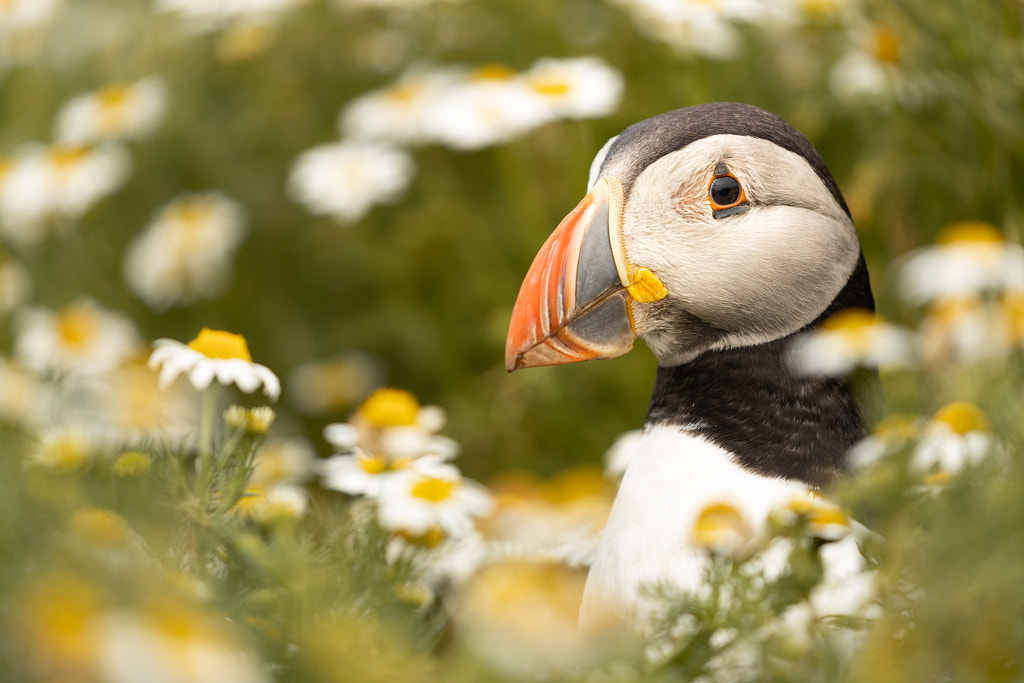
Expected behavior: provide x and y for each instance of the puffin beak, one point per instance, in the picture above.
(575, 301)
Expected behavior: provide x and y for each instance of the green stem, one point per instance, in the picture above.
(204, 466)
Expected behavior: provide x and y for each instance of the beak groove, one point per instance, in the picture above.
(573, 304)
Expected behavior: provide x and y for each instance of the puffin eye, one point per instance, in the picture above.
(726, 196)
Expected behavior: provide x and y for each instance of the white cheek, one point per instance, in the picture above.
(770, 270)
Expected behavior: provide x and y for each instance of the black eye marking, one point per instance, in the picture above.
(726, 195)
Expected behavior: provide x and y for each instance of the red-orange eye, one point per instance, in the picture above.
(726, 196)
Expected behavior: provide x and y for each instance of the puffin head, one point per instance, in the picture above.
(716, 226)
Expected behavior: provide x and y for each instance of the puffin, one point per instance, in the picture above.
(717, 234)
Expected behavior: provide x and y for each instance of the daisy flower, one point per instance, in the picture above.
(131, 404)
(214, 14)
(889, 436)
(584, 87)
(559, 519)
(67, 447)
(15, 285)
(333, 384)
(968, 259)
(81, 339)
(172, 640)
(871, 67)
(17, 16)
(399, 112)
(489, 106)
(46, 183)
(185, 253)
(266, 505)
(957, 436)
(722, 530)
(124, 111)
(391, 424)
(849, 339)
(418, 501)
(689, 26)
(969, 329)
(24, 399)
(344, 180)
(522, 617)
(213, 354)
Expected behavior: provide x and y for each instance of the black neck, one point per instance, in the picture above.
(747, 401)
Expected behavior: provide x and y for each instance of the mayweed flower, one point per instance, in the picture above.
(213, 354)
(968, 259)
(957, 436)
(390, 432)
(579, 88)
(722, 530)
(254, 421)
(185, 252)
(391, 424)
(690, 26)
(117, 112)
(267, 505)
(490, 106)
(398, 113)
(422, 503)
(15, 284)
(51, 615)
(19, 16)
(890, 435)
(871, 67)
(100, 527)
(275, 490)
(850, 339)
(556, 520)
(823, 520)
(133, 405)
(81, 339)
(172, 640)
(333, 384)
(24, 399)
(344, 180)
(56, 183)
(214, 14)
(67, 447)
(522, 617)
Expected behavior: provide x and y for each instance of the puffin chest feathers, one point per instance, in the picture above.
(716, 233)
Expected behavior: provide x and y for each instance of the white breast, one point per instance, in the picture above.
(647, 540)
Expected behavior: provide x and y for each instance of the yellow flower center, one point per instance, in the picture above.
(970, 231)
(5, 166)
(431, 539)
(718, 521)
(433, 489)
(372, 464)
(886, 45)
(828, 515)
(819, 9)
(938, 479)
(132, 464)
(404, 93)
(550, 86)
(220, 344)
(76, 327)
(99, 526)
(493, 72)
(896, 427)
(66, 158)
(850, 320)
(390, 408)
(962, 417)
